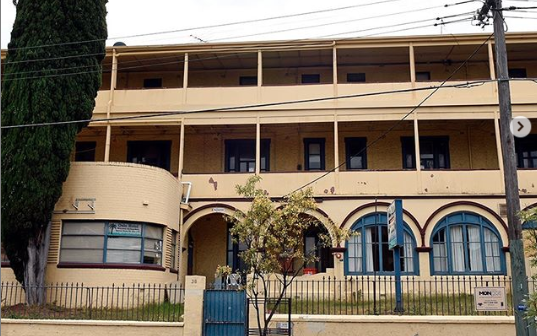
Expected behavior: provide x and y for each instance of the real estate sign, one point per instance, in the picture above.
(490, 299)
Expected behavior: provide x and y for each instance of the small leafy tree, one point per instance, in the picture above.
(273, 236)
(531, 251)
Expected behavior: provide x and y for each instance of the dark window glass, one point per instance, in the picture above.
(248, 80)
(240, 155)
(434, 152)
(314, 153)
(152, 153)
(151, 83)
(234, 249)
(517, 73)
(356, 77)
(313, 245)
(422, 76)
(311, 78)
(526, 151)
(85, 151)
(355, 153)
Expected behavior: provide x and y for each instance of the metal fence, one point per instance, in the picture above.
(375, 295)
(137, 302)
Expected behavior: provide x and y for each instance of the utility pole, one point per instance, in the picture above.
(516, 244)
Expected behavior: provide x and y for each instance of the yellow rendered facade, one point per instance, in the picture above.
(202, 98)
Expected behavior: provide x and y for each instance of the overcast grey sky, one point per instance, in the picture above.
(365, 18)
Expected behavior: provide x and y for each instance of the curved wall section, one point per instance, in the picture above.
(120, 191)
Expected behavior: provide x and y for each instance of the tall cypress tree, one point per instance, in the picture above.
(52, 73)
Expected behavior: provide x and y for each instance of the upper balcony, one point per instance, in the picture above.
(457, 157)
(217, 77)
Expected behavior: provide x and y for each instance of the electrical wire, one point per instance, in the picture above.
(209, 26)
(254, 106)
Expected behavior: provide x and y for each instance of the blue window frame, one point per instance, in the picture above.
(466, 243)
(368, 252)
(111, 242)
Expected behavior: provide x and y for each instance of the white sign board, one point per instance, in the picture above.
(490, 299)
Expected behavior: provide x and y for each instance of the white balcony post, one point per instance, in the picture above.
(113, 82)
(412, 64)
(259, 68)
(491, 61)
(181, 150)
(499, 148)
(336, 144)
(185, 78)
(257, 146)
(417, 151)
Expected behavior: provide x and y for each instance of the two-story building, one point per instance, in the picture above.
(149, 188)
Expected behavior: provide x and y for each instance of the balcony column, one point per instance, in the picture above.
(499, 148)
(257, 146)
(185, 78)
(181, 150)
(336, 128)
(491, 60)
(417, 151)
(259, 74)
(113, 81)
(412, 64)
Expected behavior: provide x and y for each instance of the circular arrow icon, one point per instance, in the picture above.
(520, 127)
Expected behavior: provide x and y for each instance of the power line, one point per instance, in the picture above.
(201, 59)
(467, 84)
(210, 26)
(221, 56)
(383, 135)
(255, 34)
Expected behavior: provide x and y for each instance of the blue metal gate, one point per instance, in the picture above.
(224, 313)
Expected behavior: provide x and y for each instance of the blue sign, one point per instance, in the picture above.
(395, 224)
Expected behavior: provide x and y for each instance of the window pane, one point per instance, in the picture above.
(152, 245)
(314, 148)
(315, 162)
(82, 256)
(124, 243)
(83, 228)
(80, 242)
(152, 258)
(119, 256)
(152, 231)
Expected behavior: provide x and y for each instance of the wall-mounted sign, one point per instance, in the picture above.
(218, 210)
(125, 229)
(395, 224)
(490, 299)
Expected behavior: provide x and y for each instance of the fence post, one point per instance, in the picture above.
(193, 317)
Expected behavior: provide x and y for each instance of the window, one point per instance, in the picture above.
(356, 77)
(434, 152)
(517, 73)
(465, 242)
(152, 153)
(248, 80)
(234, 249)
(85, 151)
(368, 252)
(355, 153)
(423, 76)
(152, 83)
(526, 151)
(314, 153)
(240, 155)
(174, 250)
(311, 78)
(111, 242)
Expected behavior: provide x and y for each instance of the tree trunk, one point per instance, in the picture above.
(34, 269)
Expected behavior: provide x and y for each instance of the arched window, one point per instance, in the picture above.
(368, 252)
(466, 243)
